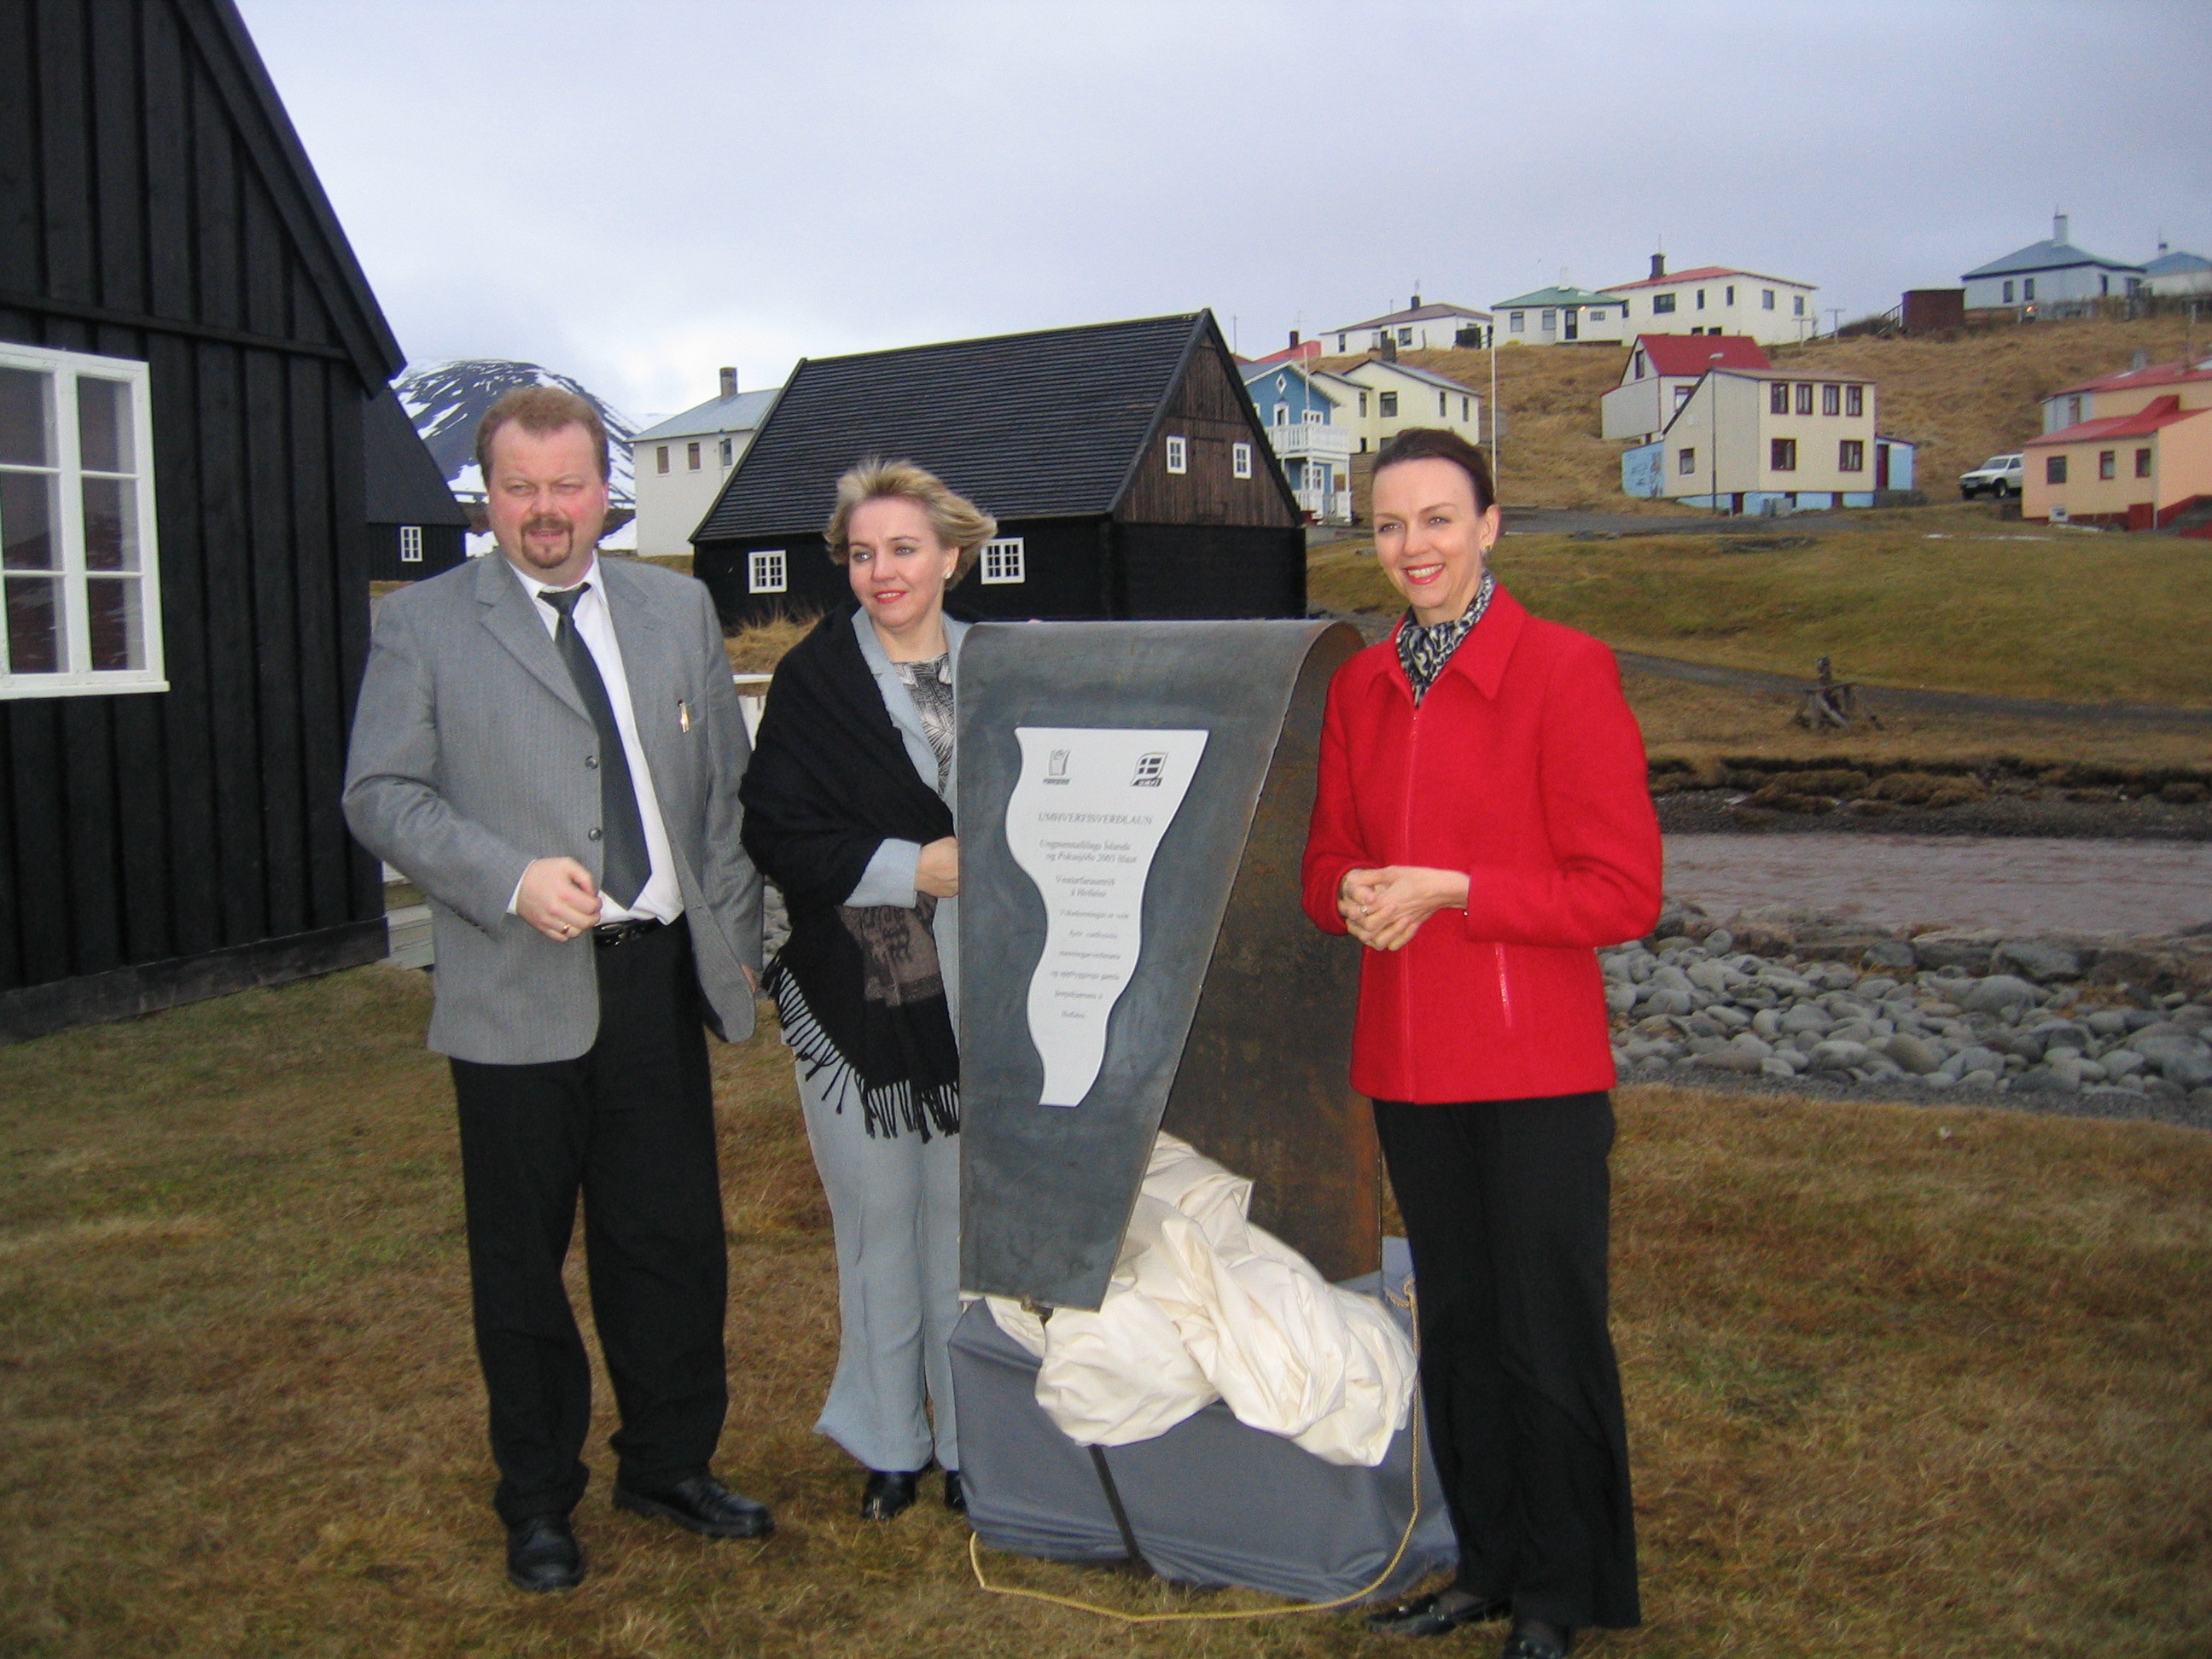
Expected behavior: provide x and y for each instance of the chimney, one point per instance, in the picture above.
(729, 383)
(1294, 339)
(2058, 229)
(1389, 347)
(1416, 306)
(1658, 266)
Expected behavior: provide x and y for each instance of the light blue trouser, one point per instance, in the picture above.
(895, 1206)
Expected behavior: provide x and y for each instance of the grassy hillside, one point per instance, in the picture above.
(1961, 399)
(2007, 610)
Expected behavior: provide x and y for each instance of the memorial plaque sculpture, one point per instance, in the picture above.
(1134, 800)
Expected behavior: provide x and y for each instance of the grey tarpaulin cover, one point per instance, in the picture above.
(1210, 1501)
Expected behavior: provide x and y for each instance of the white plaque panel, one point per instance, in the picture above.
(1084, 822)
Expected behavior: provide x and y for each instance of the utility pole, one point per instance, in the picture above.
(1713, 392)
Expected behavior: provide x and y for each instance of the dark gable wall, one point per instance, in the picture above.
(145, 827)
(1211, 410)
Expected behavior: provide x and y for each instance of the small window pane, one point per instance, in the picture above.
(1855, 400)
(1804, 398)
(103, 426)
(2107, 461)
(34, 625)
(25, 432)
(112, 614)
(1851, 455)
(1687, 463)
(1240, 460)
(1831, 399)
(2054, 469)
(1778, 398)
(1389, 404)
(410, 543)
(110, 525)
(1003, 560)
(2142, 463)
(27, 522)
(765, 571)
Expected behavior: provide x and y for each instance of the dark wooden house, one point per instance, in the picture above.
(1128, 472)
(415, 527)
(187, 352)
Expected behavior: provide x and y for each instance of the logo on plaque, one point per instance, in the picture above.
(1090, 852)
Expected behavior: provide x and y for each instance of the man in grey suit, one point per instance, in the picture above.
(550, 746)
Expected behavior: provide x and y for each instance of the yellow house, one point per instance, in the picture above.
(1768, 440)
(2142, 456)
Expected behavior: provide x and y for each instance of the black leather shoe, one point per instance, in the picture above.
(889, 1492)
(1436, 1614)
(542, 1554)
(955, 1496)
(1537, 1641)
(701, 1504)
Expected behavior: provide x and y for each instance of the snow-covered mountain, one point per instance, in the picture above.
(447, 400)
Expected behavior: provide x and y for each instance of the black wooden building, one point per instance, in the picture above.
(187, 347)
(415, 527)
(1127, 470)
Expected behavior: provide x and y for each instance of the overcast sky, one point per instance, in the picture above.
(634, 194)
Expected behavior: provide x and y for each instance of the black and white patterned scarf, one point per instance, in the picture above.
(930, 684)
(1423, 652)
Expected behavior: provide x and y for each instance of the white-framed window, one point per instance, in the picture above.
(1004, 561)
(1766, 299)
(727, 450)
(1516, 322)
(660, 458)
(766, 571)
(1282, 414)
(691, 456)
(1178, 455)
(1240, 460)
(1797, 300)
(1405, 337)
(1388, 401)
(1728, 294)
(1551, 322)
(82, 574)
(410, 543)
(1443, 406)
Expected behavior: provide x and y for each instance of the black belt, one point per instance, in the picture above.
(608, 934)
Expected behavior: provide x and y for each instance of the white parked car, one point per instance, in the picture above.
(1999, 475)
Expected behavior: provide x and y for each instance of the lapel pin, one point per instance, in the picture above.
(683, 715)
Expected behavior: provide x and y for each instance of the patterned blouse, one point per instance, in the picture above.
(1423, 652)
(931, 684)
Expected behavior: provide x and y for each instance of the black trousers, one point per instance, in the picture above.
(1506, 1208)
(629, 1126)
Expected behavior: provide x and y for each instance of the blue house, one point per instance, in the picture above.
(1314, 448)
(2048, 273)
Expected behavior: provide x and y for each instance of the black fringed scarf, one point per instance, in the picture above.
(859, 989)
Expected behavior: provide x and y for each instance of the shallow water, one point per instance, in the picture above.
(2020, 884)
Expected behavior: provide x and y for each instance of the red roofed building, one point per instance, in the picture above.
(1719, 299)
(1662, 371)
(2141, 468)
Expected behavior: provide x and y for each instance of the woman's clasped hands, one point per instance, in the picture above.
(1384, 908)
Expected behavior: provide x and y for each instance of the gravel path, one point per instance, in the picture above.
(2018, 884)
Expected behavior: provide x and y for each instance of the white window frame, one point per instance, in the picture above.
(1004, 562)
(1240, 460)
(63, 369)
(1178, 455)
(767, 571)
(410, 543)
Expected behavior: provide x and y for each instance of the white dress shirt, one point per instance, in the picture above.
(661, 897)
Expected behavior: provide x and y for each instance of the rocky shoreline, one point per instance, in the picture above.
(1783, 999)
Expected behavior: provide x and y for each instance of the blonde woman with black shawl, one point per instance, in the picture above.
(847, 810)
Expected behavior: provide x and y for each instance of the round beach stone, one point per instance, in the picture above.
(2037, 959)
(1998, 992)
(1916, 1055)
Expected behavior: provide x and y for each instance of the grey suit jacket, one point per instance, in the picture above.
(473, 755)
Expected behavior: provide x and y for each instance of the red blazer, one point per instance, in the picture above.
(1524, 768)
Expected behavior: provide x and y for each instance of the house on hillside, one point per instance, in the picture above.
(1563, 316)
(1298, 352)
(1128, 471)
(1300, 417)
(415, 527)
(2131, 449)
(680, 465)
(2049, 273)
(189, 358)
(1380, 397)
(1717, 299)
(2174, 272)
(1660, 373)
(1416, 328)
(1766, 440)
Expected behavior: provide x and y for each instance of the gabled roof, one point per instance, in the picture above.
(2172, 264)
(1030, 426)
(1255, 373)
(1703, 274)
(2046, 255)
(739, 414)
(1691, 356)
(1428, 314)
(2132, 380)
(1556, 297)
(2159, 412)
(401, 483)
(1444, 382)
(266, 135)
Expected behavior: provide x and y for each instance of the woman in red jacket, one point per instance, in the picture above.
(1482, 825)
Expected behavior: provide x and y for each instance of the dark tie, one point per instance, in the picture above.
(626, 864)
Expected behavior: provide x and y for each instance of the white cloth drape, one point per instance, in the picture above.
(1204, 1306)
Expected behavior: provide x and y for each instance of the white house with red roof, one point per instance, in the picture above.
(1660, 373)
(1719, 299)
(2132, 449)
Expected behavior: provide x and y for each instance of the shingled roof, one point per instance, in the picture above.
(1029, 426)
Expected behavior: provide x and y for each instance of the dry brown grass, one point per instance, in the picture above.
(1900, 1380)
(756, 647)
